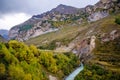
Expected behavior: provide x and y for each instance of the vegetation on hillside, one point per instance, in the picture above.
(96, 72)
(105, 65)
(117, 20)
(25, 27)
(21, 62)
(64, 35)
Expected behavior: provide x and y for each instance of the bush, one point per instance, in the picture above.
(117, 20)
(21, 62)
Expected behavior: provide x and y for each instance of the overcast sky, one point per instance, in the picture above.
(13, 12)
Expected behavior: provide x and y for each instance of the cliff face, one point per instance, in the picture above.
(61, 15)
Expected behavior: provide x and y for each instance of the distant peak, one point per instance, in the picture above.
(65, 9)
(62, 6)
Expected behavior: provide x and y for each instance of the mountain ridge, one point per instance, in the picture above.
(4, 33)
(2, 39)
(62, 15)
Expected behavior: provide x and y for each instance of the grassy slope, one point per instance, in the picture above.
(103, 66)
(71, 31)
(105, 59)
(67, 32)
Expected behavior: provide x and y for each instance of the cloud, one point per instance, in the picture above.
(38, 6)
(10, 20)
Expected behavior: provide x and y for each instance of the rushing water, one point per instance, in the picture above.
(75, 73)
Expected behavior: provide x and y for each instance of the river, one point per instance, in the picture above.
(75, 73)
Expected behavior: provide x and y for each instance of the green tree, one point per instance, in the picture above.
(2, 70)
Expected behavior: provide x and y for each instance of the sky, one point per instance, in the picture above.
(14, 12)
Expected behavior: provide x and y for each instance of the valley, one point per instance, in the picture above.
(65, 43)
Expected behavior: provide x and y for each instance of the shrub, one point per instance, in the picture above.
(117, 20)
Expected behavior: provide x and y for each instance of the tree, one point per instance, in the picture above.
(2, 70)
(34, 50)
(15, 72)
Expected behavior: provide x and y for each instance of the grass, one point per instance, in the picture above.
(67, 32)
(74, 32)
(109, 61)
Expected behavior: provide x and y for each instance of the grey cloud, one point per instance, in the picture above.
(37, 6)
(27, 6)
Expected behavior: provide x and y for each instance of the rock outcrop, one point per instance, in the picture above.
(85, 46)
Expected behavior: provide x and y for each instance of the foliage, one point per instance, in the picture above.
(108, 47)
(117, 20)
(25, 27)
(21, 62)
(95, 72)
(105, 65)
(50, 46)
(60, 23)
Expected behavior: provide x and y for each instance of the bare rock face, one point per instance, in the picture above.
(92, 43)
(111, 36)
(105, 1)
(85, 47)
(27, 30)
(102, 9)
(97, 16)
(65, 9)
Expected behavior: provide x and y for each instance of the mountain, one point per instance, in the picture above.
(2, 39)
(63, 9)
(97, 45)
(89, 35)
(43, 23)
(54, 19)
(4, 33)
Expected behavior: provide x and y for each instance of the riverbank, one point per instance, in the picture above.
(75, 72)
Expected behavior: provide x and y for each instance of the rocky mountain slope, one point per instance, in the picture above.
(2, 39)
(53, 20)
(102, 63)
(43, 23)
(4, 33)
